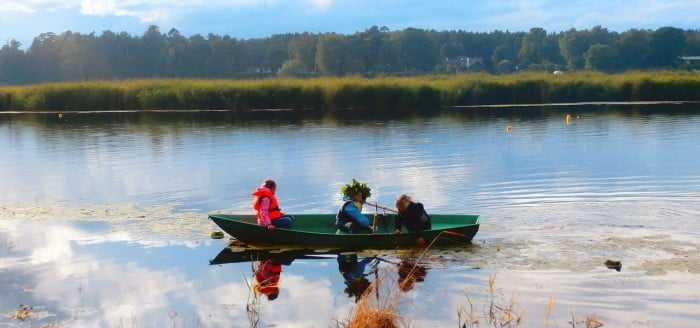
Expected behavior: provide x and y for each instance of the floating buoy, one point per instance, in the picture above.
(616, 265)
(60, 116)
(568, 119)
(217, 235)
(23, 312)
(509, 128)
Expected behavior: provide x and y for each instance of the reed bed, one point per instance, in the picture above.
(378, 306)
(341, 93)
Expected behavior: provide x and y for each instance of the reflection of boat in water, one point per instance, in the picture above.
(267, 272)
(356, 270)
(320, 230)
(248, 255)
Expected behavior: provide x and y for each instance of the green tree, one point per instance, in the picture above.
(43, 56)
(451, 50)
(80, 59)
(667, 44)
(303, 49)
(417, 50)
(574, 44)
(152, 46)
(532, 47)
(502, 53)
(633, 49)
(330, 54)
(600, 57)
(12, 63)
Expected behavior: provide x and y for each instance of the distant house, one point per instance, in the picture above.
(693, 62)
(464, 63)
(260, 70)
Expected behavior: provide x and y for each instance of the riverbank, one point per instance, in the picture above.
(384, 94)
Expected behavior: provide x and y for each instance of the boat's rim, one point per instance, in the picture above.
(219, 216)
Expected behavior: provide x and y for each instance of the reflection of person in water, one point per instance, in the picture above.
(409, 273)
(267, 278)
(354, 274)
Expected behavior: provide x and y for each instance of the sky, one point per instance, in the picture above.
(25, 19)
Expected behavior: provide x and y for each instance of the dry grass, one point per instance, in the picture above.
(588, 321)
(378, 306)
(548, 311)
(498, 312)
(253, 302)
(366, 315)
(495, 311)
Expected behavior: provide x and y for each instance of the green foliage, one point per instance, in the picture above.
(355, 187)
(667, 43)
(373, 52)
(331, 54)
(574, 44)
(502, 53)
(600, 57)
(531, 50)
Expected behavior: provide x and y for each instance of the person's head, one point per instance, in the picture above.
(273, 295)
(270, 184)
(359, 197)
(402, 202)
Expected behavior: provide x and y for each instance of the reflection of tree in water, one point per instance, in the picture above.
(353, 272)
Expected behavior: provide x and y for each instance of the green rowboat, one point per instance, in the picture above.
(318, 230)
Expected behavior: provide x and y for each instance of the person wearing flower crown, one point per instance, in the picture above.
(350, 218)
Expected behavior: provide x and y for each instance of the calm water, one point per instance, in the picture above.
(103, 216)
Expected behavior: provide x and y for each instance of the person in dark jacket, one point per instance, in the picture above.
(413, 216)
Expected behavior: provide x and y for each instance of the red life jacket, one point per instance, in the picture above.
(268, 277)
(273, 210)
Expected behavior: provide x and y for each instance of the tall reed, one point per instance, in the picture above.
(341, 93)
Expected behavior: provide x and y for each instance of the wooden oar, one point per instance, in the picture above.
(382, 207)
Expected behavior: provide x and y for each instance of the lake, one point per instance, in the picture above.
(103, 216)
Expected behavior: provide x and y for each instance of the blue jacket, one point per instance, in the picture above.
(350, 213)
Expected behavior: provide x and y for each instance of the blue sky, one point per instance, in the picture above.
(24, 19)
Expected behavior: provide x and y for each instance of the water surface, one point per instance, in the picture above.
(103, 216)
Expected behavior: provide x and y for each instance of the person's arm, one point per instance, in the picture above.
(265, 212)
(397, 223)
(356, 215)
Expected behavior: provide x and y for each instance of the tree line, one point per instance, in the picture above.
(376, 51)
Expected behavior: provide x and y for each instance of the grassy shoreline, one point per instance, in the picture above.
(383, 94)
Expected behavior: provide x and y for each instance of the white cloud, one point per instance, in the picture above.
(17, 7)
(132, 8)
(147, 11)
(321, 5)
(557, 16)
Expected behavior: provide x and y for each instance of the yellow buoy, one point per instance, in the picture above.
(509, 128)
(568, 119)
(60, 116)
(217, 235)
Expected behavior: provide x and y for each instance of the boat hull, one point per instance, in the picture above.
(318, 231)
